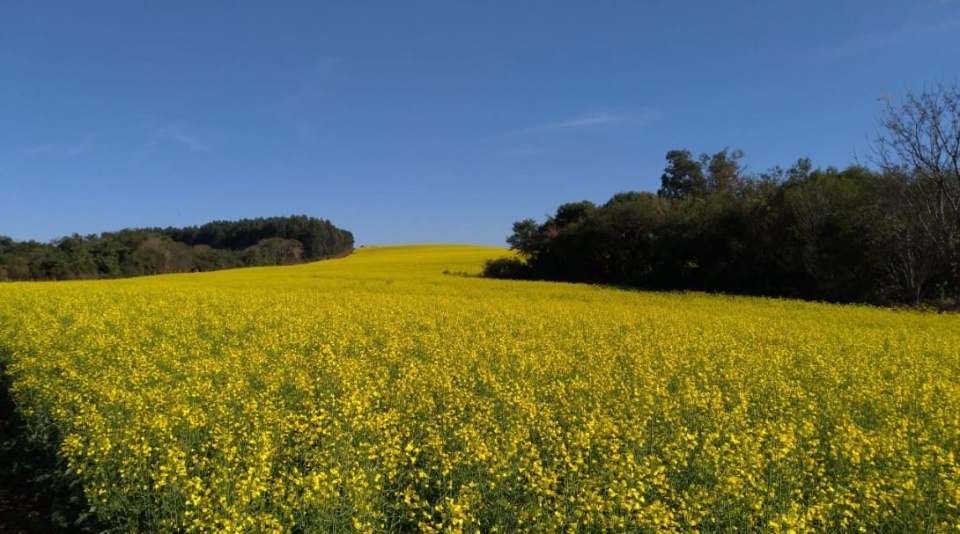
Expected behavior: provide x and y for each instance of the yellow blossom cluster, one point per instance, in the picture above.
(381, 393)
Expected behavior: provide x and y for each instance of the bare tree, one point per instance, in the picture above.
(910, 258)
(919, 145)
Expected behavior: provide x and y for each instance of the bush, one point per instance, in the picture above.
(507, 268)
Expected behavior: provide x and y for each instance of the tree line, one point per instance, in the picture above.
(147, 251)
(884, 234)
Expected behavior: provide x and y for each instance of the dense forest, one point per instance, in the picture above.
(884, 234)
(146, 251)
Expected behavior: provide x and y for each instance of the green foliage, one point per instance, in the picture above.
(819, 234)
(36, 494)
(685, 177)
(147, 251)
(682, 177)
(511, 268)
(573, 212)
(523, 233)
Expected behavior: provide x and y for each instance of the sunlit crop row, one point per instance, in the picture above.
(378, 393)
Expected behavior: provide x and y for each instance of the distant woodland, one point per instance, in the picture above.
(147, 251)
(888, 234)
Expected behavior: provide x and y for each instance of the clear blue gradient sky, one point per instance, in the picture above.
(426, 121)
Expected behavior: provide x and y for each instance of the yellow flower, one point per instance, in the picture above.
(375, 393)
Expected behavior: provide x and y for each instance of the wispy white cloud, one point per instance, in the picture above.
(187, 138)
(315, 79)
(304, 101)
(80, 146)
(325, 66)
(879, 40)
(37, 150)
(642, 117)
(595, 119)
(524, 152)
(157, 135)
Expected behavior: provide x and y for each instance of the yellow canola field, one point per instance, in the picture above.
(376, 393)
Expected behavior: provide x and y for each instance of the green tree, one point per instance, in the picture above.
(572, 212)
(522, 238)
(683, 176)
(723, 171)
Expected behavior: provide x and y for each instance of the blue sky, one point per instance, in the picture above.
(412, 122)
